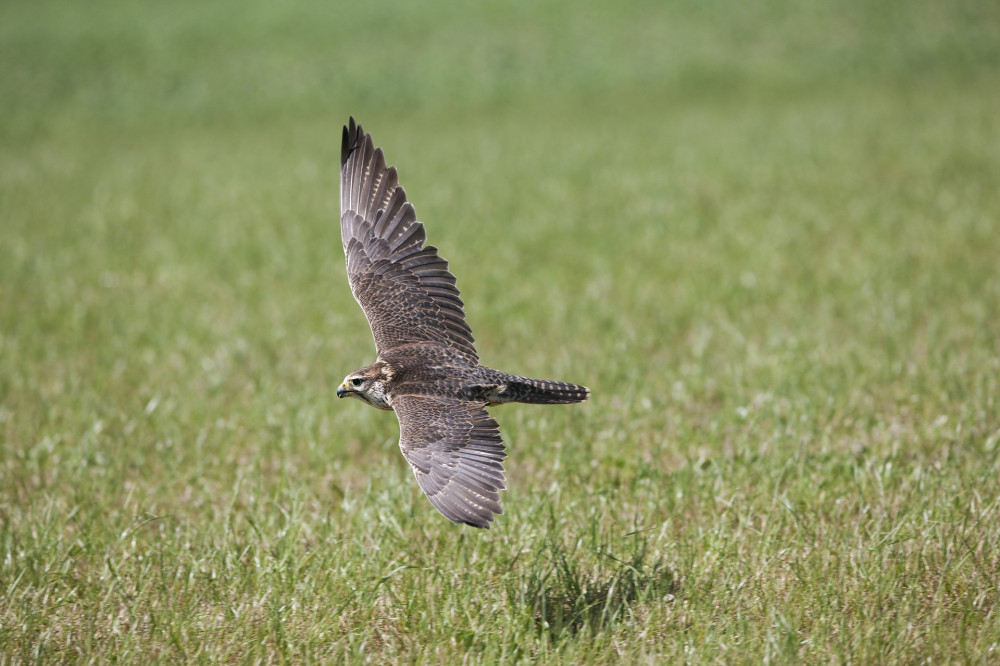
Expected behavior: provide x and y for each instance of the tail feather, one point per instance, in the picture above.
(539, 392)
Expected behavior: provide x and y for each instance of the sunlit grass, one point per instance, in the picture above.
(765, 238)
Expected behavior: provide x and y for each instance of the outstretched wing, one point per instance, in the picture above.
(404, 287)
(456, 453)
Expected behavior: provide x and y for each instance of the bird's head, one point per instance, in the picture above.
(369, 384)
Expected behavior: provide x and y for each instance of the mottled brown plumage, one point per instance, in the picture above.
(427, 369)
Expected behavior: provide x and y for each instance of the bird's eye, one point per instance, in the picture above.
(356, 381)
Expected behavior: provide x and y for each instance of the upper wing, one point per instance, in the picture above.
(405, 288)
(456, 453)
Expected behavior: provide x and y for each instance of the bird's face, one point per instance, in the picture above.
(368, 385)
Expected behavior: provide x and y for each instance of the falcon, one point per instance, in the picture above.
(426, 368)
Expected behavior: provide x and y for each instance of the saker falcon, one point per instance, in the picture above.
(427, 369)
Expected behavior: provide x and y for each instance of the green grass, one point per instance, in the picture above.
(765, 235)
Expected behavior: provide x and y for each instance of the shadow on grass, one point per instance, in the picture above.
(568, 591)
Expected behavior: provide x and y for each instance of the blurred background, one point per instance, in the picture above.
(654, 188)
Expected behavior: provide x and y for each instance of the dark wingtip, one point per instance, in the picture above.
(483, 525)
(343, 146)
(349, 139)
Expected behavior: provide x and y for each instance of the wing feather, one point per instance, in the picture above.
(404, 286)
(456, 453)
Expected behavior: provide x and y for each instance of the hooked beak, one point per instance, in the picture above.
(341, 391)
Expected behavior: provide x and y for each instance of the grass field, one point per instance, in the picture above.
(766, 235)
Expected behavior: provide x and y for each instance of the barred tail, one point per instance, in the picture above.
(541, 392)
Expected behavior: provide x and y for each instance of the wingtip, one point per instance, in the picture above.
(349, 139)
(482, 522)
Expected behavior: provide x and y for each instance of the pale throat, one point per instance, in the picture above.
(378, 396)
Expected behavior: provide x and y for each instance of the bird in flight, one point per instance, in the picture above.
(427, 369)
